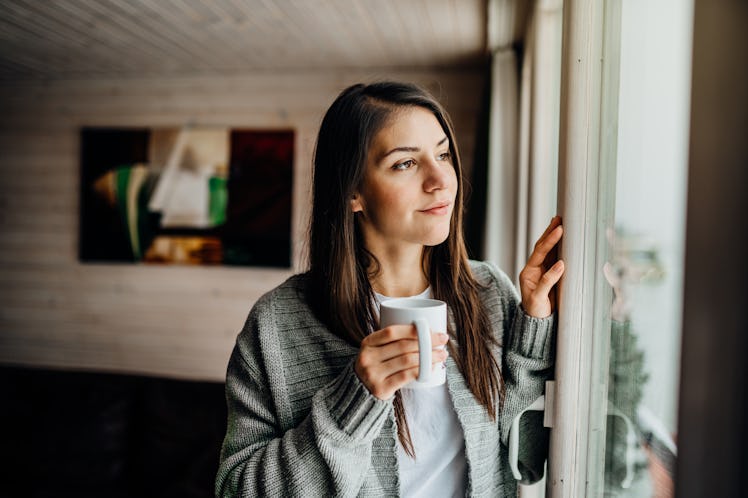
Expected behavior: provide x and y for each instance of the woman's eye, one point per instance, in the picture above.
(404, 165)
(444, 156)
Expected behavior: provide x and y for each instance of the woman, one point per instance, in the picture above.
(313, 387)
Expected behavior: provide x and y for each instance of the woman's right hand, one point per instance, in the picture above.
(388, 358)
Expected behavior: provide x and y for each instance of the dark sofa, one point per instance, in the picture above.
(87, 434)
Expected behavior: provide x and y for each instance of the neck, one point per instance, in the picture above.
(400, 273)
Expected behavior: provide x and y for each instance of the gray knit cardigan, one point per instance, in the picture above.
(300, 422)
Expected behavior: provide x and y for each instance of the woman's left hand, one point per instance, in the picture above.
(542, 272)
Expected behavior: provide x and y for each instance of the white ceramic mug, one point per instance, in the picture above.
(427, 315)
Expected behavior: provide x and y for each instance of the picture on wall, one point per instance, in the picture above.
(188, 195)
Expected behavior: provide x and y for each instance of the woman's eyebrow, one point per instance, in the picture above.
(409, 149)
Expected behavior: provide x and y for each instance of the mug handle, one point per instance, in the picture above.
(424, 349)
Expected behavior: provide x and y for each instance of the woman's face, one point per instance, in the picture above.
(409, 186)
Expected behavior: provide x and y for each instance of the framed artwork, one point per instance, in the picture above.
(186, 195)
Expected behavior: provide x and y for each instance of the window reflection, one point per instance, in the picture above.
(645, 245)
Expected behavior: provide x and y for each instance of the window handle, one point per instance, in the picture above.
(537, 405)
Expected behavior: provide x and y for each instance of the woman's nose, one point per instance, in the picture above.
(437, 176)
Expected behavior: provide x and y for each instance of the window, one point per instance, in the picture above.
(622, 176)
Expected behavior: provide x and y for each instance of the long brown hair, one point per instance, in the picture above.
(340, 266)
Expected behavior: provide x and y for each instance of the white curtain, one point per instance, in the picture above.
(523, 131)
(544, 116)
(523, 138)
(501, 190)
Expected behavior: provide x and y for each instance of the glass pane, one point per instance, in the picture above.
(647, 162)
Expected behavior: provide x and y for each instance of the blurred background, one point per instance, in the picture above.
(155, 181)
(113, 360)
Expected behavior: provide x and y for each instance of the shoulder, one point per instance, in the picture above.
(283, 338)
(498, 295)
(282, 308)
(489, 276)
(284, 319)
(288, 297)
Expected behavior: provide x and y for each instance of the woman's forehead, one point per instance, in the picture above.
(410, 127)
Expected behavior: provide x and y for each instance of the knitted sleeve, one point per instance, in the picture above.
(527, 362)
(327, 454)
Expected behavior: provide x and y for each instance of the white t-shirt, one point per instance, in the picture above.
(440, 467)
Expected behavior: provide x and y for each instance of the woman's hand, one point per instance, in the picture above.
(541, 273)
(388, 358)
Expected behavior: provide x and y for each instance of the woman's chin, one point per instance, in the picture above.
(435, 239)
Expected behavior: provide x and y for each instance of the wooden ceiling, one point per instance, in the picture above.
(110, 38)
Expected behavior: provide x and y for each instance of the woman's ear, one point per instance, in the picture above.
(356, 205)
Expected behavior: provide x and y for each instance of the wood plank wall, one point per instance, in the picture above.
(174, 321)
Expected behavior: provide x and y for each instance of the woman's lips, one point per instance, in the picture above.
(440, 208)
